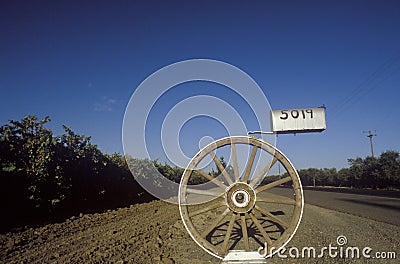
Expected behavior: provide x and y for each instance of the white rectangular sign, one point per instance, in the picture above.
(298, 120)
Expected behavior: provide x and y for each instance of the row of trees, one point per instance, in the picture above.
(43, 175)
(375, 173)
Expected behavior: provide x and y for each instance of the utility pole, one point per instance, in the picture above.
(371, 134)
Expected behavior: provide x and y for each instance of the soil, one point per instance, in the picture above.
(153, 233)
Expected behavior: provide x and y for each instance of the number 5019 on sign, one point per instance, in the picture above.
(302, 120)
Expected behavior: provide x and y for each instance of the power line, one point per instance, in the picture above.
(381, 74)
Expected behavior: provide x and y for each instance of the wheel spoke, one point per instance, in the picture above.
(235, 162)
(215, 223)
(250, 164)
(244, 232)
(256, 179)
(210, 207)
(273, 184)
(261, 229)
(228, 232)
(277, 201)
(272, 217)
(210, 178)
(221, 168)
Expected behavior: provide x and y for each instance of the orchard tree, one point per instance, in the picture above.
(27, 150)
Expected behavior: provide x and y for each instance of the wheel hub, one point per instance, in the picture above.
(240, 197)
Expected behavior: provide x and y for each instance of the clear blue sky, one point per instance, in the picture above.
(80, 61)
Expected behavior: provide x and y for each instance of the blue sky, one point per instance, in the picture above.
(80, 61)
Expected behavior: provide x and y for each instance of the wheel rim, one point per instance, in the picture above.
(241, 213)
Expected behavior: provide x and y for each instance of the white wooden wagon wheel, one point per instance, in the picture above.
(241, 213)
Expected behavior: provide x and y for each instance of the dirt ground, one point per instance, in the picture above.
(153, 233)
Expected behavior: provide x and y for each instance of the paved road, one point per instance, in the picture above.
(382, 209)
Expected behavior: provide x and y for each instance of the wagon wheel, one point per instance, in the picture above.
(240, 209)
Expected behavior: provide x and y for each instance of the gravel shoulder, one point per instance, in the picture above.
(153, 233)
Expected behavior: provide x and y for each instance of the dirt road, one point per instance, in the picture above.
(154, 233)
